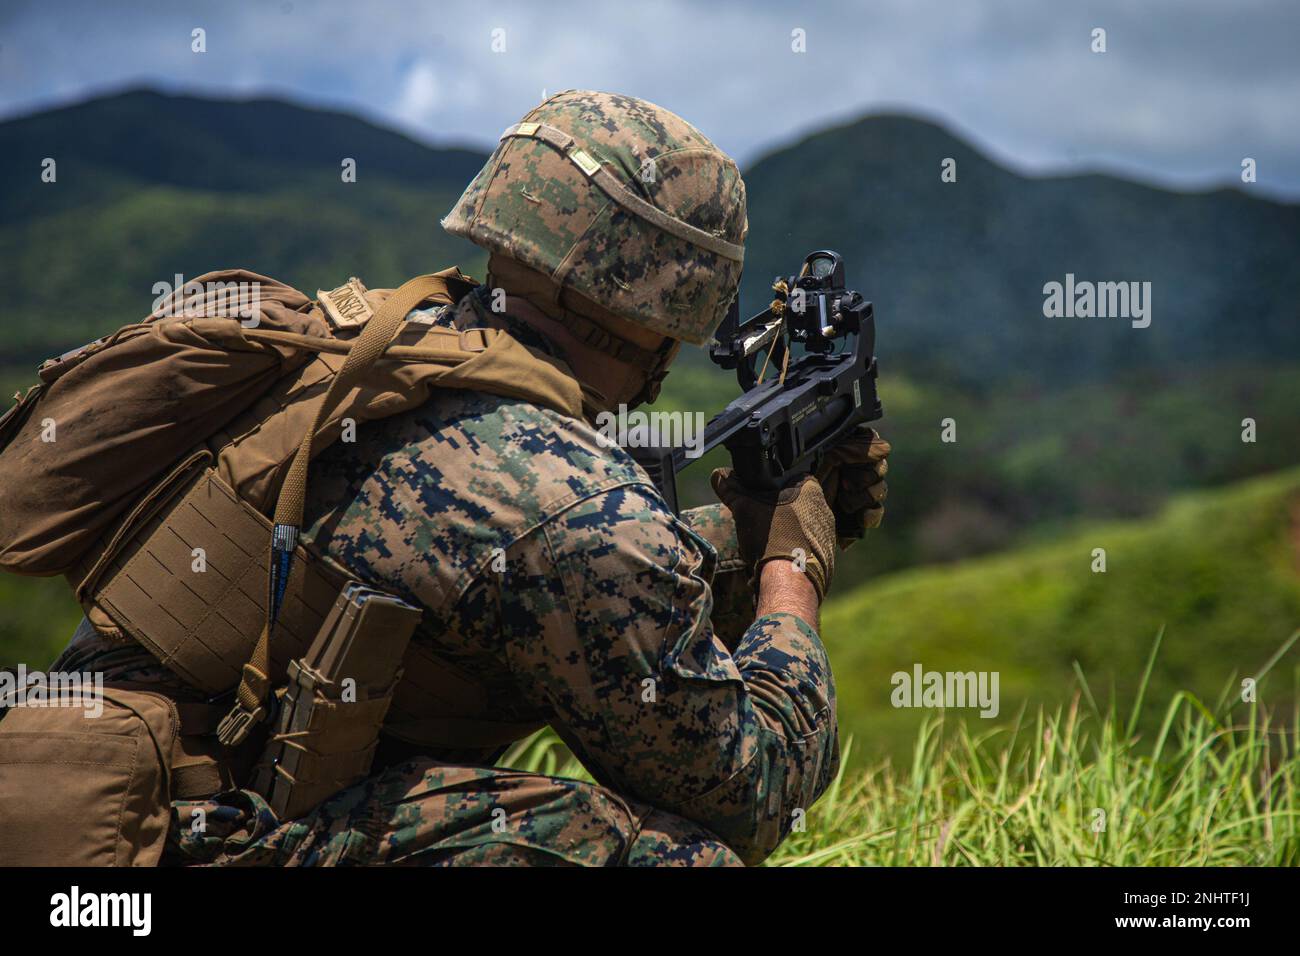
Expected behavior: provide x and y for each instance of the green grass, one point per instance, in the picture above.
(1215, 785)
(1218, 570)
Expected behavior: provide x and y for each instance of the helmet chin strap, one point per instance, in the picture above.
(654, 379)
(549, 298)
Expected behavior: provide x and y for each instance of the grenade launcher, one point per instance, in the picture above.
(807, 371)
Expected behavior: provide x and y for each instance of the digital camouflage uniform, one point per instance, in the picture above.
(555, 583)
(599, 625)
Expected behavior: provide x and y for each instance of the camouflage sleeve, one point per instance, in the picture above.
(715, 525)
(733, 594)
(608, 612)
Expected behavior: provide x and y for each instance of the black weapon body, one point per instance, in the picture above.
(780, 427)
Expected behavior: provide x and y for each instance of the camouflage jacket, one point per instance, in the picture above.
(559, 589)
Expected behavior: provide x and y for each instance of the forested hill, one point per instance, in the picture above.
(149, 185)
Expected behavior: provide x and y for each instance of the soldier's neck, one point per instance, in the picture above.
(619, 382)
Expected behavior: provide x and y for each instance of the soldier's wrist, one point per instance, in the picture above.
(784, 588)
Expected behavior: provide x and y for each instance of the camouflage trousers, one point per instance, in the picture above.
(425, 813)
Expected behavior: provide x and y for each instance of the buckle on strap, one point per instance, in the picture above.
(475, 339)
(236, 725)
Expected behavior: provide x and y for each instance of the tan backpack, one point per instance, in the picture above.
(201, 425)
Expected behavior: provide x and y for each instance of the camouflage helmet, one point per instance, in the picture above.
(620, 201)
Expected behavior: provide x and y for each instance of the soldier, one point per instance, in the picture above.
(677, 657)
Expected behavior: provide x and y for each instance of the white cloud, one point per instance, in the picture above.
(418, 101)
(1186, 84)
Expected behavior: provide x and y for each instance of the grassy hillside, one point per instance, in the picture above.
(1029, 461)
(1218, 571)
(1070, 786)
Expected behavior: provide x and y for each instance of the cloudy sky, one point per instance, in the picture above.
(1184, 91)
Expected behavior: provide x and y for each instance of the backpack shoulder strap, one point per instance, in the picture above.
(255, 683)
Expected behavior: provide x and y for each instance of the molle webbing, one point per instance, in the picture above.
(256, 679)
(202, 624)
(630, 202)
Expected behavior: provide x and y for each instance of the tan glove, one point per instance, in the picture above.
(853, 477)
(794, 524)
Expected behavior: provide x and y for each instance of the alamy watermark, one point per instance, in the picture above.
(193, 299)
(640, 429)
(74, 908)
(23, 688)
(947, 689)
(1103, 300)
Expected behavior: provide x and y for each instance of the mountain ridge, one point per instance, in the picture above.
(956, 270)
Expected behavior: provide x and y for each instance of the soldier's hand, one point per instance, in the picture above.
(794, 524)
(853, 477)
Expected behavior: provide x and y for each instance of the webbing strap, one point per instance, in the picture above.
(255, 681)
(611, 186)
(369, 345)
(455, 343)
